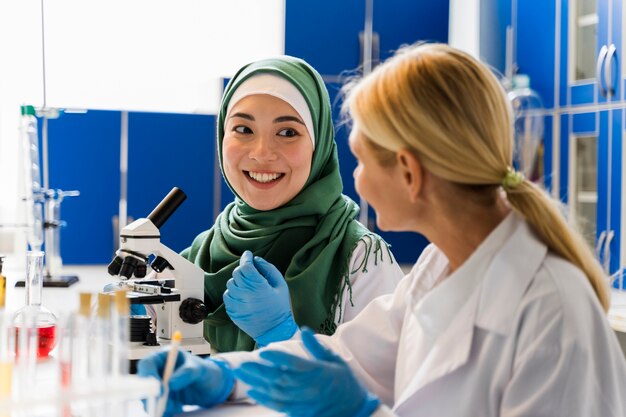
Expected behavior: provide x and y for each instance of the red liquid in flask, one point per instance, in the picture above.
(46, 339)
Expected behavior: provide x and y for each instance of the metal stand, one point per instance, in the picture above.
(58, 281)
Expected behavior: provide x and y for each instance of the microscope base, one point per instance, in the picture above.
(197, 346)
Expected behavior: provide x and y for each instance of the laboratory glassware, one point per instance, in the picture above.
(34, 316)
(528, 118)
(6, 360)
(32, 190)
(52, 209)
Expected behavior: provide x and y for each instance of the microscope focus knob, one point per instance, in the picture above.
(192, 311)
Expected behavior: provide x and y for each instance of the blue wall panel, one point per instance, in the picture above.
(535, 40)
(167, 150)
(404, 21)
(84, 155)
(325, 33)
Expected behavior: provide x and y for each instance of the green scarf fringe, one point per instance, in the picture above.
(329, 326)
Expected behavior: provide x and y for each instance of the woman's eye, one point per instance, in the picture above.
(242, 129)
(288, 132)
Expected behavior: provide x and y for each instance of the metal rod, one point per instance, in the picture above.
(123, 206)
(367, 68)
(43, 56)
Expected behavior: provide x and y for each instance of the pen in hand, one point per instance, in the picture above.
(167, 372)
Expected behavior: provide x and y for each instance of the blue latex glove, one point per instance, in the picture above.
(257, 300)
(323, 387)
(195, 381)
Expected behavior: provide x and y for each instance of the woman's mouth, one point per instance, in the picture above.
(264, 177)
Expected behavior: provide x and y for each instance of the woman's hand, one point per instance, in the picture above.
(257, 300)
(195, 381)
(322, 387)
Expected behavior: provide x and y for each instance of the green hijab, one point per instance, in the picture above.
(310, 239)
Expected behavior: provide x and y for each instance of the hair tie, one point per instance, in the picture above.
(512, 178)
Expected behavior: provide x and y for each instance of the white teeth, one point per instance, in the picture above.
(263, 176)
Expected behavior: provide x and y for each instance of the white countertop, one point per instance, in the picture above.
(58, 300)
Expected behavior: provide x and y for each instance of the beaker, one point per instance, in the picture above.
(39, 322)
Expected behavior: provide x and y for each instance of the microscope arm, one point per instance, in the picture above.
(187, 276)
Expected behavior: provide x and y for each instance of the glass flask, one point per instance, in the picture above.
(40, 322)
(528, 112)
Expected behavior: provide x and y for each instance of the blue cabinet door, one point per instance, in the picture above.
(615, 131)
(172, 150)
(590, 42)
(83, 152)
(591, 180)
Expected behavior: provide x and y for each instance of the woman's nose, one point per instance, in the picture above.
(262, 149)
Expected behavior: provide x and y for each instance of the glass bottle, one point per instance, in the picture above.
(33, 314)
(528, 112)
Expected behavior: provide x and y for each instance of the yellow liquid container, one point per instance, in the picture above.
(6, 362)
(3, 285)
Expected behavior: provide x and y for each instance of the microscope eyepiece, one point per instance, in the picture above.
(115, 266)
(167, 206)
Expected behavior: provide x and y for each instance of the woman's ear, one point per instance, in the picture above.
(411, 172)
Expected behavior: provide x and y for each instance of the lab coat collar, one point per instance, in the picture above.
(508, 277)
(494, 279)
(439, 307)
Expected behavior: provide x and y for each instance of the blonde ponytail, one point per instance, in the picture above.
(545, 217)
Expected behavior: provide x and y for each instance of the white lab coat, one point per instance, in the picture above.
(515, 331)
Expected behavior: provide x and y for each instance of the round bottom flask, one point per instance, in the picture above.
(35, 326)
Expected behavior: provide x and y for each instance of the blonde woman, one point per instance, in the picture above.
(503, 315)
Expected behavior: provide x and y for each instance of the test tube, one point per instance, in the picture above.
(99, 360)
(66, 333)
(81, 348)
(120, 338)
(120, 334)
(99, 353)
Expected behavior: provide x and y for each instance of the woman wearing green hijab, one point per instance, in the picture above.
(314, 263)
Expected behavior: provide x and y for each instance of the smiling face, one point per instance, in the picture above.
(266, 151)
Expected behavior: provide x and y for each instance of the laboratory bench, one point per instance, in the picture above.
(94, 278)
(64, 300)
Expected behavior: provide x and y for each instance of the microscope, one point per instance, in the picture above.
(174, 291)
